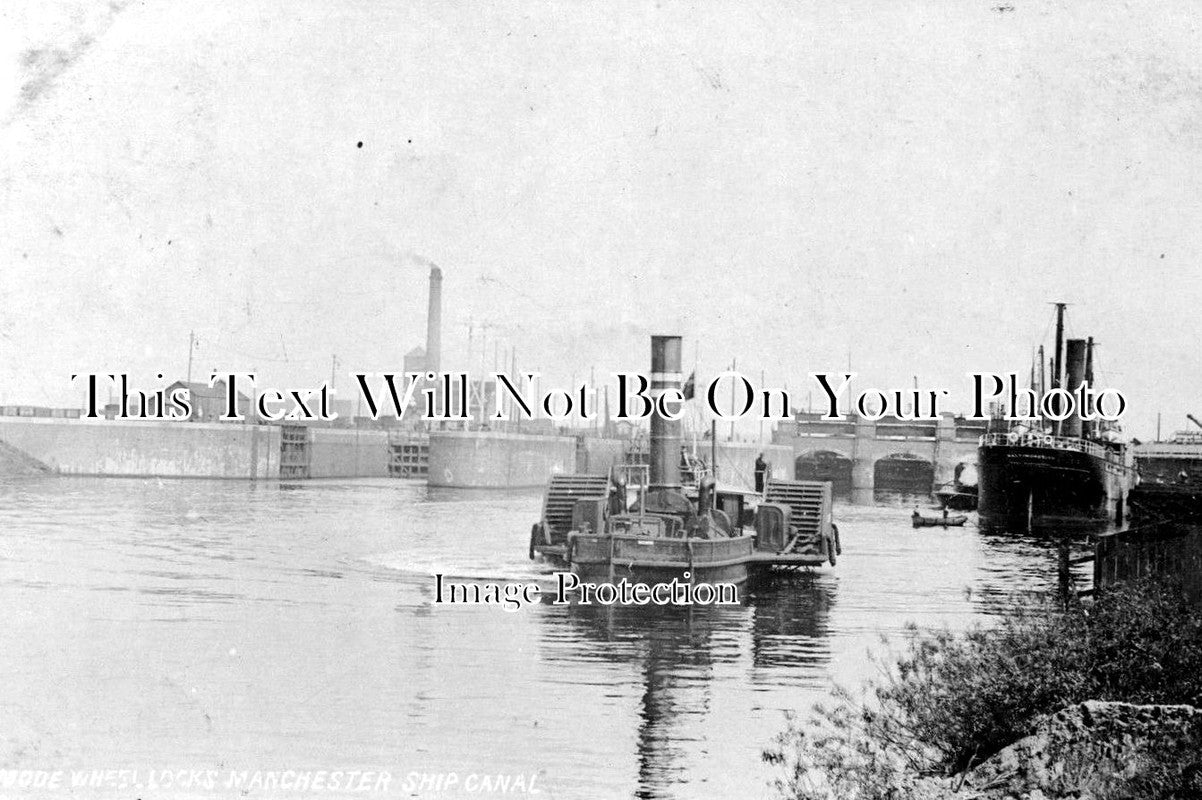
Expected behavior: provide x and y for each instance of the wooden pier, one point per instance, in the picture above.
(1171, 549)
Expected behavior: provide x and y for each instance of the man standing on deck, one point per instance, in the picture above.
(761, 472)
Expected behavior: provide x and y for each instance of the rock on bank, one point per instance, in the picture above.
(1091, 750)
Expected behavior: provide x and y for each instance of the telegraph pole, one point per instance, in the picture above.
(734, 364)
(516, 422)
(191, 347)
(763, 380)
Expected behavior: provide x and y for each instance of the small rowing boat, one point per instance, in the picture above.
(938, 522)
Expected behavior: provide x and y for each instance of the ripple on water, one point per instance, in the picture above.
(302, 616)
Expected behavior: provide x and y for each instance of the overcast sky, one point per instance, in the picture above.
(781, 183)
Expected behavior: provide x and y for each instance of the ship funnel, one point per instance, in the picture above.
(1074, 377)
(434, 321)
(665, 433)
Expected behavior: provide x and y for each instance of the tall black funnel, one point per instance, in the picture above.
(1074, 377)
(665, 433)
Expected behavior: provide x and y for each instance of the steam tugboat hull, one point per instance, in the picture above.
(1024, 487)
(655, 560)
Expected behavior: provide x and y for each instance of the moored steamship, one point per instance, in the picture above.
(1049, 474)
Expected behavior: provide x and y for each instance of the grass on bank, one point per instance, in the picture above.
(953, 700)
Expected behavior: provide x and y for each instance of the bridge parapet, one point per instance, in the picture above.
(945, 443)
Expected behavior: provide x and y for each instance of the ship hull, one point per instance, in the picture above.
(602, 558)
(1037, 487)
(957, 501)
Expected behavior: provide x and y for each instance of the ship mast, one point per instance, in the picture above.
(1089, 360)
(1056, 367)
(1091, 428)
(1043, 384)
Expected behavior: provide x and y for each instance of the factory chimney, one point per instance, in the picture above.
(665, 434)
(1074, 376)
(434, 322)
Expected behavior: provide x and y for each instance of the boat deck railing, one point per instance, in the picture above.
(1050, 442)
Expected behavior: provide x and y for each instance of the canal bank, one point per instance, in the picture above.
(487, 460)
(144, 449)
(166, 449)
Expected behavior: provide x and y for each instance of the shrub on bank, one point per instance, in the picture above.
(952, 700)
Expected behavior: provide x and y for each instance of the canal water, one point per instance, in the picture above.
(196, 625)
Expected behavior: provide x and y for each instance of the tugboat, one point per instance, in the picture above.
(591, 525)
(1055, 474)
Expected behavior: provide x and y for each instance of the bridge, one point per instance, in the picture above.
(860, 456)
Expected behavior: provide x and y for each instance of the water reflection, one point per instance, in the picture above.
(790, 619)
(902, 498)
(1020, 563)
(782, 622)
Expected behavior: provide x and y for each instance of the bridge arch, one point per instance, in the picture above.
(825, 465)
(903, 472)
